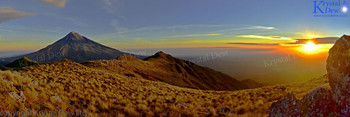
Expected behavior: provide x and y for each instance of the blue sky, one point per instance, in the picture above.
(33, 24)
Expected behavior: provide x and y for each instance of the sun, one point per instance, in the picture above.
(345, 9)
(310, 47)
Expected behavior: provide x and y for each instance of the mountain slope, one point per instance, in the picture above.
(4, 68)
(22, 62)
(165, 68)
(252, 83)
(74, 47)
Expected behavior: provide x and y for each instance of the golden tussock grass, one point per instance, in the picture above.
(70, 86)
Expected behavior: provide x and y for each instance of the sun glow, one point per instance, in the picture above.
(310, 47)
(308, 43)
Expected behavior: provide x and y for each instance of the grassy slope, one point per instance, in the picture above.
(69, 86)
(171, 70)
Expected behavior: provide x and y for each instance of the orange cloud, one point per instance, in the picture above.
(56, 3)
(8, 13)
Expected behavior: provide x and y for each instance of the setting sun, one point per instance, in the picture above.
(310, 46)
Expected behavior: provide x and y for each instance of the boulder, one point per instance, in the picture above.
(319, 102)
(338, 69)
(287, 107)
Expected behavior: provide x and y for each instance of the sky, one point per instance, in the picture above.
(28, 25)
(242, 34)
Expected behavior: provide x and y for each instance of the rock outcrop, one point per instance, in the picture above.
(338, 69)
(317, 103)
(288, 107)
(323, 101)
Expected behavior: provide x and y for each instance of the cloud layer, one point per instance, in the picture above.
(56, 3)
(195, 35)
(325, 40)
(261, 27)
(8, 13)
(254, 43)
(265, 37)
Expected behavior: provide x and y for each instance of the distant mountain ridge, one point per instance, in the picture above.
(166, 68)
(22, 62)
(74, 47)
(4, 62)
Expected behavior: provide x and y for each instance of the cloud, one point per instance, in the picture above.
(120, 30)
(8, 13)
(195, 35)
(254, 43)
(260, 27)
(324, 40)
(56, 3)
(149, 28)
(194, 26)
(172, 27)
(114, 7)
(116, 25)
(265, 37)
(235, 29)
(74, 21)
(108, 2)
